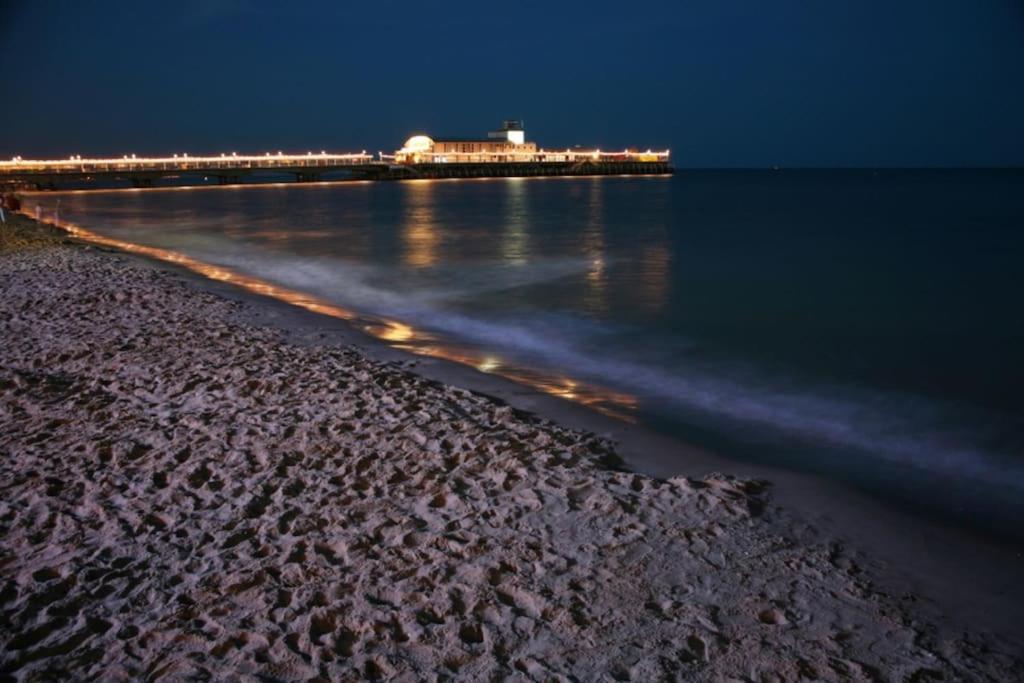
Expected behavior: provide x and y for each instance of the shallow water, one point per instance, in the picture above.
(860, 324)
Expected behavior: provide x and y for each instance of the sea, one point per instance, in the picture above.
(865, 326)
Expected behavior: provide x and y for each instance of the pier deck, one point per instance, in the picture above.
(226, 170)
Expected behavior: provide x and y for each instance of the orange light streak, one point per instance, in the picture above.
(397, 334)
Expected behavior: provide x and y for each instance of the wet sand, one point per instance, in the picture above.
(190, 490)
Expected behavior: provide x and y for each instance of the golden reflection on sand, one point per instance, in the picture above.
(393, 331)
(397, 334)
(614, 404)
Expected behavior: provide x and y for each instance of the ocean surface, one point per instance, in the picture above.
(863, 325)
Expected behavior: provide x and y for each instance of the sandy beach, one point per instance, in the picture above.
(187, 493)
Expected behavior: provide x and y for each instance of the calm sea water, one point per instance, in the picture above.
(866, 325)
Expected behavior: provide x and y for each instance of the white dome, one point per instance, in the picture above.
(418, 143)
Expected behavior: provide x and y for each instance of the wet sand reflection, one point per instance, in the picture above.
(395, 333)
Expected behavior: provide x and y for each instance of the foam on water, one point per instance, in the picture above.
(861, 322)
(904, 429)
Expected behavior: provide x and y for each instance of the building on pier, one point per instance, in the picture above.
(508, 144)
(511, 131)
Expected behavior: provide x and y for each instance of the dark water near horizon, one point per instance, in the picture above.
(864, 325)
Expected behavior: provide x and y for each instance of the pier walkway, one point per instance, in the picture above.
(228, 169)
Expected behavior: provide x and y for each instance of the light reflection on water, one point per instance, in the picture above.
(656, 264)
(515, 235)
(850, 319)
(419, 231)
(619, 405)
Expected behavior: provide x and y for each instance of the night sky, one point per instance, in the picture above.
(721, 82)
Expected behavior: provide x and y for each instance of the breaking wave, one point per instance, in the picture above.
(907, 430)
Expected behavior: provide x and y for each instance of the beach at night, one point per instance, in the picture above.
(533, 342)
(197, 493)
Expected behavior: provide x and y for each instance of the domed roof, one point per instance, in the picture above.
(418, 143)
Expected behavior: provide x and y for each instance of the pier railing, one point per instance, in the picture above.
(228, 169)
(225, 162)
(78, 165)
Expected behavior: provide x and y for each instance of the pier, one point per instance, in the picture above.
(503, 153)
(225, 169)
(513, 169)
(228, 170)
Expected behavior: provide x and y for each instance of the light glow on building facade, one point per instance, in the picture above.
(505, 146)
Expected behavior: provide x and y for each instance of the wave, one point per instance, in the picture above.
(907, 430)
(375, 289)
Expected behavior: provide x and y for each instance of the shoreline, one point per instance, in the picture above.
(888, 540)
(891, 538)
(799, 506)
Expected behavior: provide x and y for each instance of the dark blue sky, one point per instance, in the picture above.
(721, 82)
